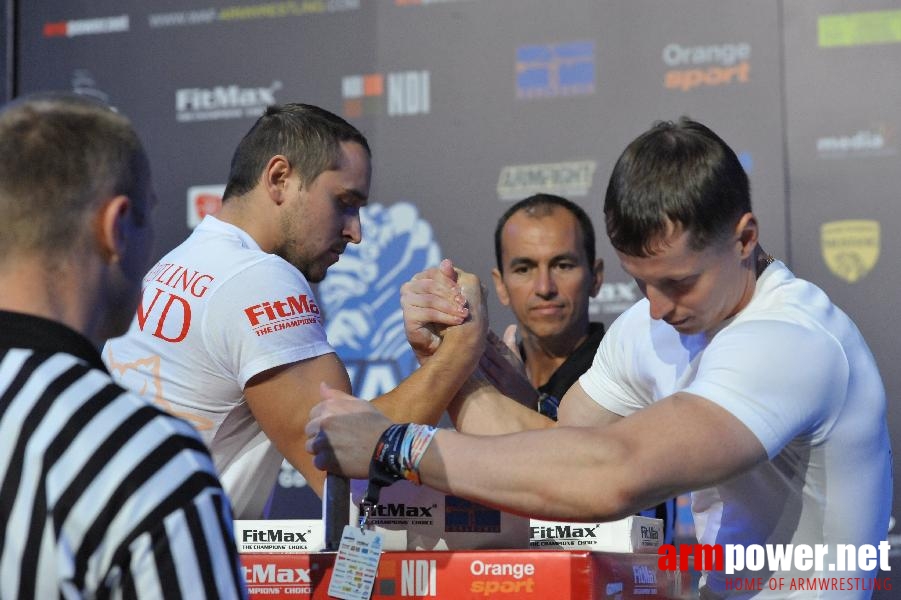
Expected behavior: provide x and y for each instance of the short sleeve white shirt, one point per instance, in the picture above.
(215, 312)
(796, 371)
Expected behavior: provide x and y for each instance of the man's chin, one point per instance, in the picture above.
(544, 330)
(317, 273)
(688, 328)
(312, 273)
(315, 277)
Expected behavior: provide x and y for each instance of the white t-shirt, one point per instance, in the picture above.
(796, 371)
(214, 312)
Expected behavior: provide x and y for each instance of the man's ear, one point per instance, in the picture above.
(597, 277)
(500, 288)
(747, 232)
(110, 227)
(275, 177)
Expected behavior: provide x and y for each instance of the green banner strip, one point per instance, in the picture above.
(859, 29)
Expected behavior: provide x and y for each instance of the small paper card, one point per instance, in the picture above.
(356, 564)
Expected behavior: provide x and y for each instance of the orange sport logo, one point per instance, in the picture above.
(691, 67)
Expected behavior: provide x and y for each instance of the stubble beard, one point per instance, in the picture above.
(292, 251)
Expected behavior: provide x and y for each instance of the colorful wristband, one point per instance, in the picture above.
(399, 451)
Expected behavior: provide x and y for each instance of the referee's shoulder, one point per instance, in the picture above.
(185, 506)
(166, 438)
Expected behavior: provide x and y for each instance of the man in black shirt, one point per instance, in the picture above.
(546, 273)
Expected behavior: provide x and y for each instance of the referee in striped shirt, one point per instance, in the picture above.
(101, 494)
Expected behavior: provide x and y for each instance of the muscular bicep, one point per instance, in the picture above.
(578, 409)
(683, 443)
(281, 399)
(604, 472)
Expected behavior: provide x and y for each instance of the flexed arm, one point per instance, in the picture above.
(281, 398)
(586, 473)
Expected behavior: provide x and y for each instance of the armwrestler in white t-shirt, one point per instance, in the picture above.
(217, 311)
(731, 379)
(824, 431)
(228, 333)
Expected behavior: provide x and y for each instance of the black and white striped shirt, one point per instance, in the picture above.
(101, 494)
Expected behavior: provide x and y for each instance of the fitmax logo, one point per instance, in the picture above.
(281, 309)
(273, 535)
(563, 532)
(403, 510)
(270, 573)
(223, 102)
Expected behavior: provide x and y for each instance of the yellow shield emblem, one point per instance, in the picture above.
(850, 248)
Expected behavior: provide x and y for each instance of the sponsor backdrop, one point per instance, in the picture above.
(472, 104)
(6, 50)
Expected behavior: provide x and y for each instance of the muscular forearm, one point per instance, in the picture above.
(479, 408)
(605, 471)
(547, 474)
(425, 394)
(602, 471)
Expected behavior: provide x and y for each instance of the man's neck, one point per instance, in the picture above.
(543, 357)
(245, 213)
(762, 260)
(28, 286)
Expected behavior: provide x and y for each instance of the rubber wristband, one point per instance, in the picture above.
(416, 442)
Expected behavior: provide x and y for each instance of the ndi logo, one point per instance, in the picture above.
(361, 296)
(552, 70)
(418, 578)
(409, 93)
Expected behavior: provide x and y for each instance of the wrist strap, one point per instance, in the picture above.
(380, 473)
(396, 456)
(417, 440)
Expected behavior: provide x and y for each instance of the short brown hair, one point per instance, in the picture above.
(60, 154)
